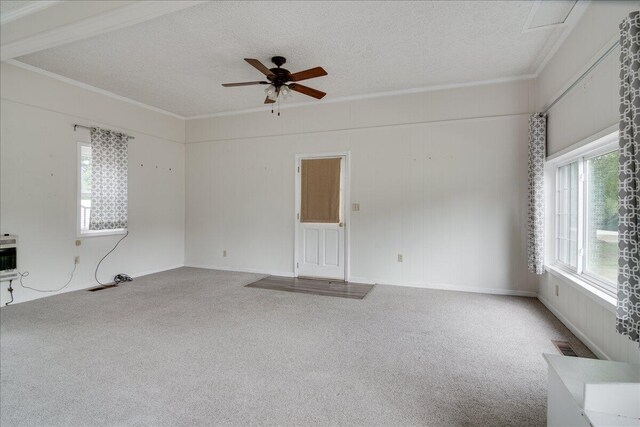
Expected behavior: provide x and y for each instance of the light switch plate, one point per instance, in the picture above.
(355, 207)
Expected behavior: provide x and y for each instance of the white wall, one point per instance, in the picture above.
(440, 177)
(38, 183)
(588, 109)
(593, 105)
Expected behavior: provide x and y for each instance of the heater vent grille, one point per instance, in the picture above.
(565, 348)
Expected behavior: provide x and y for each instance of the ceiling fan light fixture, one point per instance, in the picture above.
(281, 83)
(285, 92)
(271, 92)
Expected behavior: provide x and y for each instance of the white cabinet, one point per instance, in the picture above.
(591, 392)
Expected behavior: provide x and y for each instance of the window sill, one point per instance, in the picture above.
(602, 298)
(98, 233)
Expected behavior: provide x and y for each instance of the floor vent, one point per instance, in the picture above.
(565, 348)
(99, 288)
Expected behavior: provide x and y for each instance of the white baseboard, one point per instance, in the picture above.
(446, 287)
(243, 270)
(363, 280)
(157, 270)
(356, 279)
(577, 332)
(33, 295)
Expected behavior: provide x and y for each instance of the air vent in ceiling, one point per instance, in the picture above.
(548, 14)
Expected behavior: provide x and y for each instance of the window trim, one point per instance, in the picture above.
(601, 144)
(79, 231)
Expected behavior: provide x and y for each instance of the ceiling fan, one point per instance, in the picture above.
(281, 81)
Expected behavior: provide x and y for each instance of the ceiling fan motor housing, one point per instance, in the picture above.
(278, 60)
(281, 74)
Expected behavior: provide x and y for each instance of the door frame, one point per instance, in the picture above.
(347, 205)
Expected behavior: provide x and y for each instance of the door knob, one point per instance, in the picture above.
(341, 225)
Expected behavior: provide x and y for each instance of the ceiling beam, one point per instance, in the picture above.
(130, 13)
(28, 9)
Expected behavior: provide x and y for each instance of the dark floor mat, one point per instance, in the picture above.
(313, 286)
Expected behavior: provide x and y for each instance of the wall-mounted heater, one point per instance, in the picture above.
(8, 257)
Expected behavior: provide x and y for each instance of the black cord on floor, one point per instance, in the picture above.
(26, 273)
(10, 292)
(95, 274)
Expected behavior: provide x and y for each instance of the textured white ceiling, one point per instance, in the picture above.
(177, 62)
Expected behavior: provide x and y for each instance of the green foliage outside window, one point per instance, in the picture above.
(602, 228)
(604, 179)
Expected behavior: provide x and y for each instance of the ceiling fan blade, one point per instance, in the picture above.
(308, 74)
(315, 93)
(269, 101)
(260, 67)
(244, 84)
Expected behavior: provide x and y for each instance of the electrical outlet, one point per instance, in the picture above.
(355, 207)
(224, 253)
(399, 257)
(77, 260)
(557, 290)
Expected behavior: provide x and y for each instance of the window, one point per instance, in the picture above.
(320, 190)
(85, 186)
(567, 215)
(601, 224)
(112, 183)
(586, 213)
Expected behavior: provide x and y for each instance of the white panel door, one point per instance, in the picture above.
(321, 246)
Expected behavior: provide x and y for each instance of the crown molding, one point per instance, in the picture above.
(432, 88)
(121, 17)
(90, 88)
(266, 108)
(28, 9)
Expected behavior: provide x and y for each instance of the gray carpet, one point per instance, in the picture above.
(196, 347)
